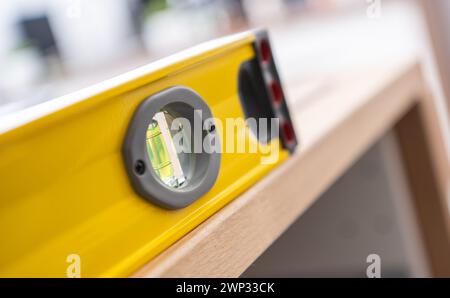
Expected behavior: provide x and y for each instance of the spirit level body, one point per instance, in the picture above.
(63, 185)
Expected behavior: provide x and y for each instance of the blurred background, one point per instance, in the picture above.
(53, 47)
(50, 48)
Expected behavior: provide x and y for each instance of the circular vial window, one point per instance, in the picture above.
(164, 164)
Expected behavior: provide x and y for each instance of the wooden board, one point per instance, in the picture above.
(337, 123)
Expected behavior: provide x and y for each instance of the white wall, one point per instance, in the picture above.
(89, 32)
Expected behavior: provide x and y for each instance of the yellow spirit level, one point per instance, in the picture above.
(96, 176)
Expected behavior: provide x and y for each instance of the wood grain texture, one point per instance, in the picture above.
(336, 126)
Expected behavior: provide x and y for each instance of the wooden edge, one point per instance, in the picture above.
(435, 15)
(427, 169)
(229, 241)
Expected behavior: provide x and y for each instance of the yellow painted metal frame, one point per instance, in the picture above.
(63, 185)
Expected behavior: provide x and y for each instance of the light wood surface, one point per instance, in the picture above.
(436, 14)
(337, 122)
